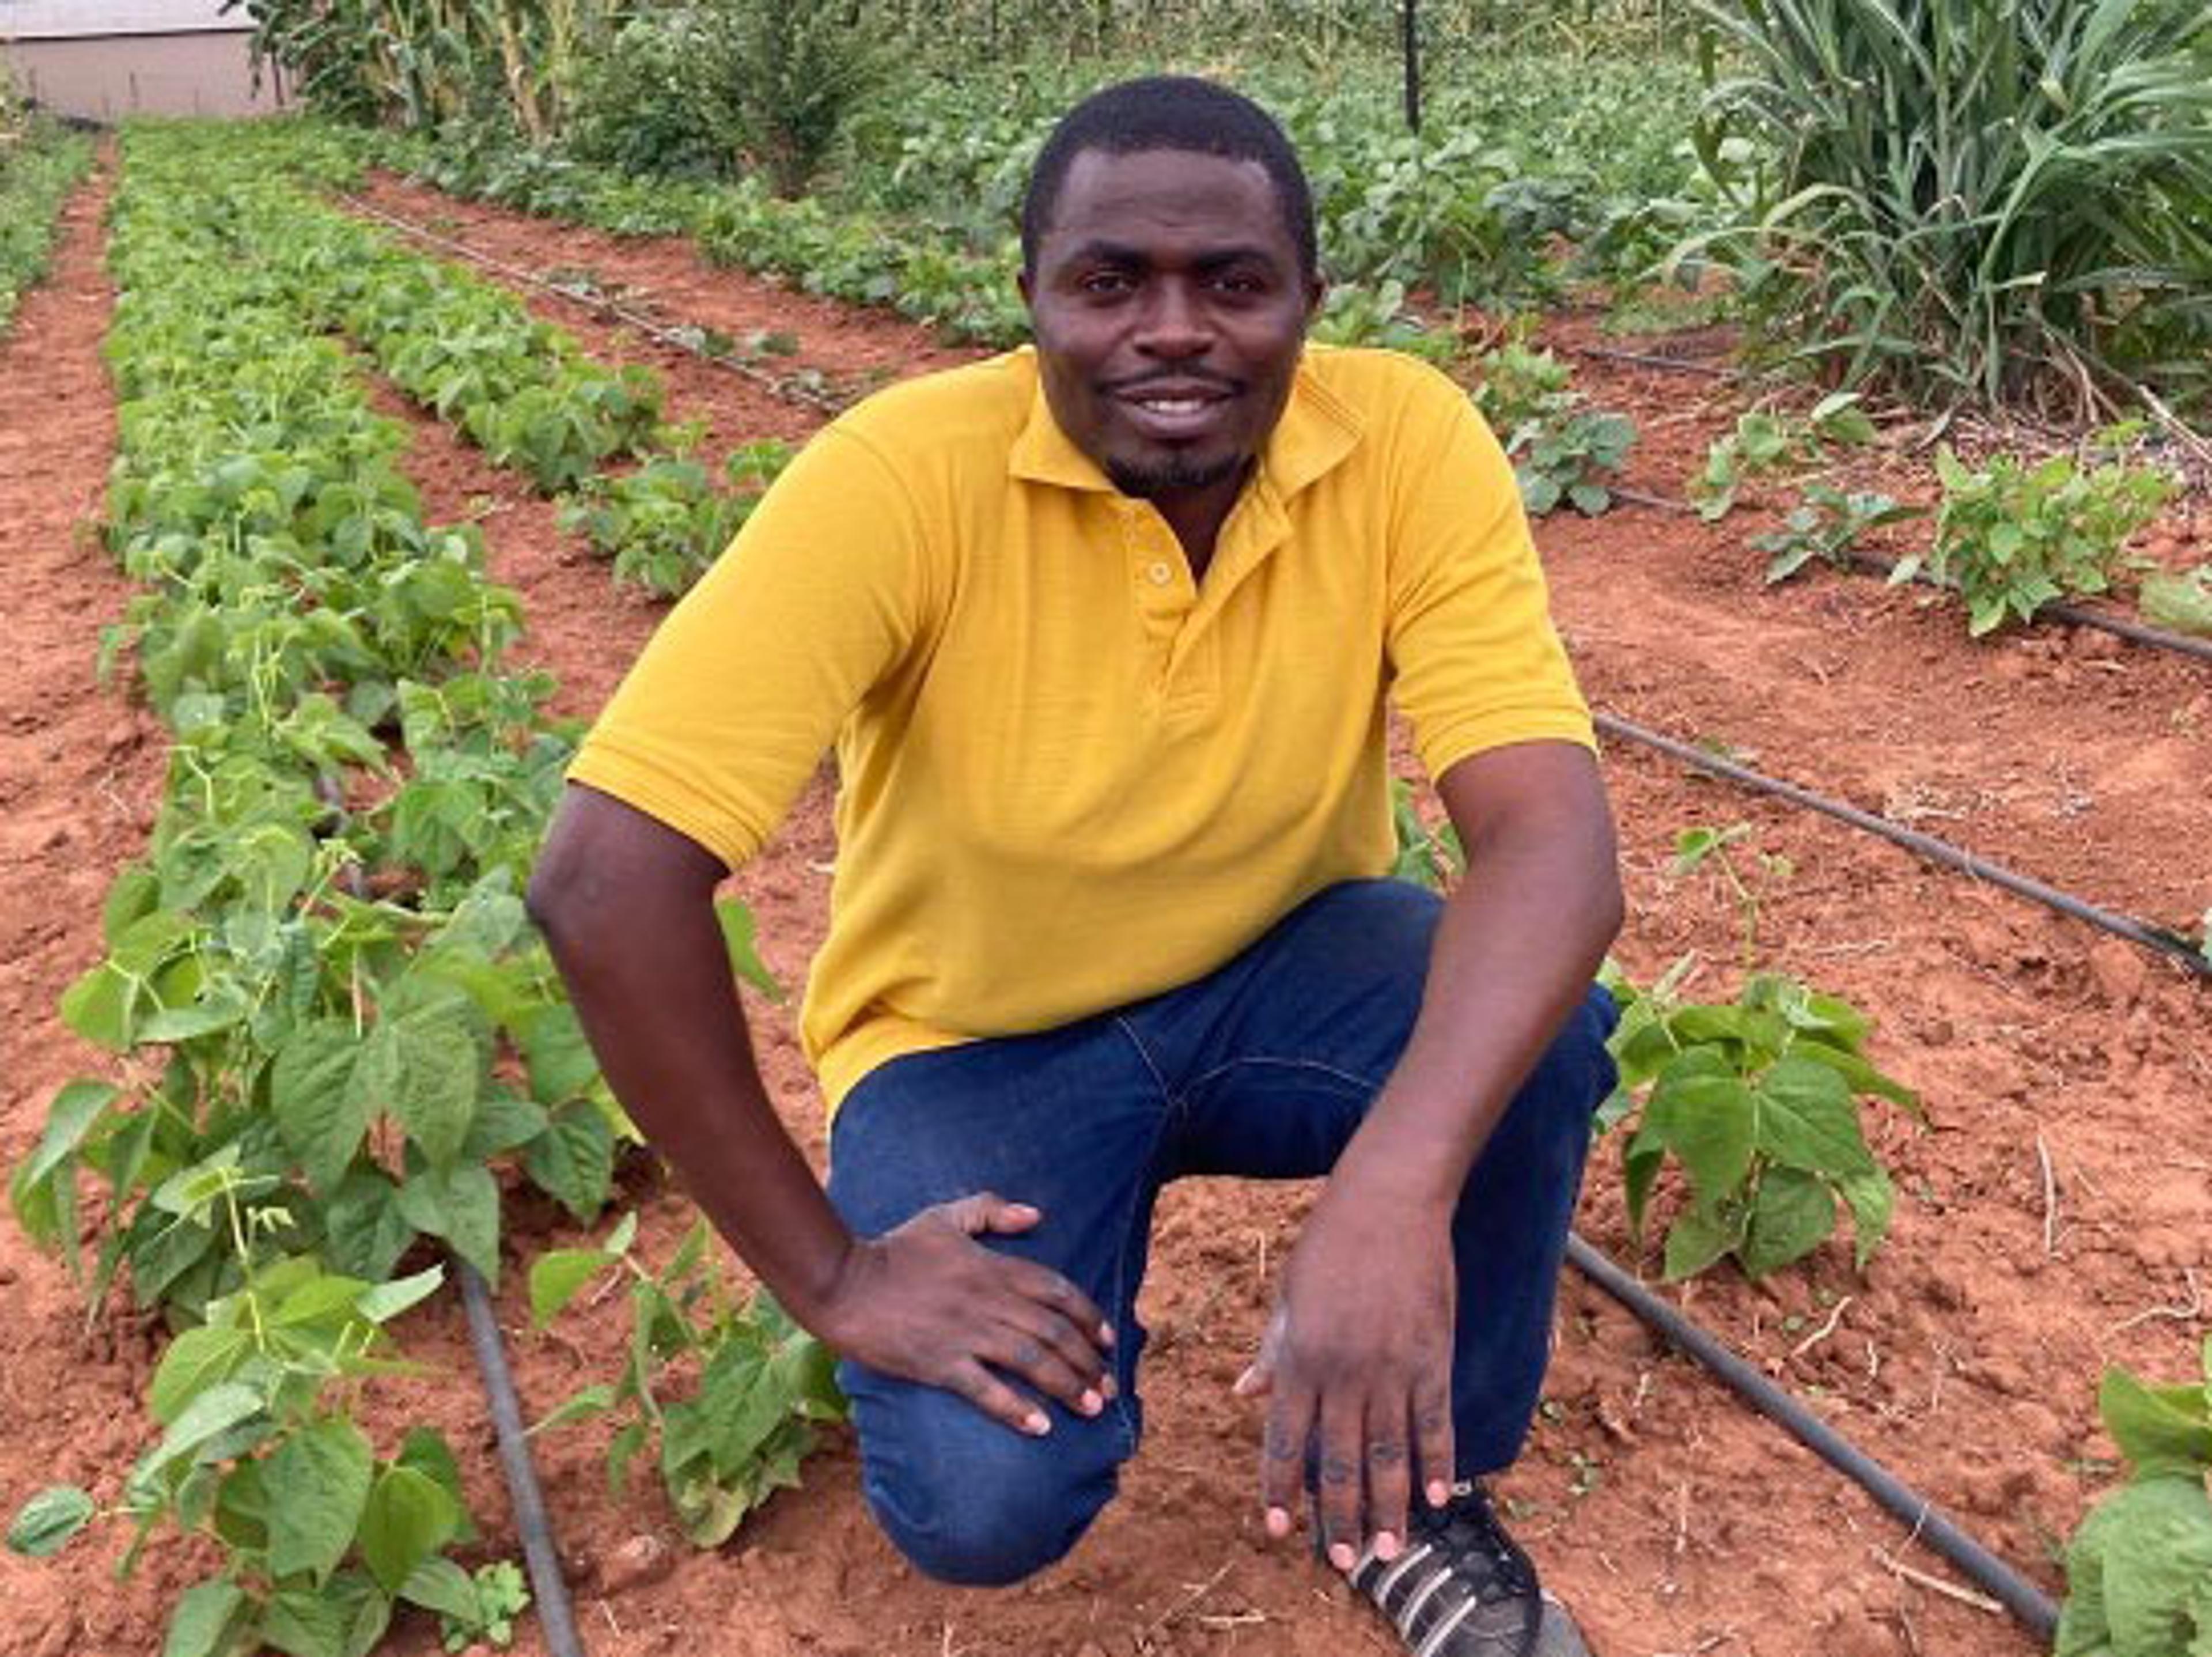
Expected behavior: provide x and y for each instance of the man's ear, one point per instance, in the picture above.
(1316, 291)
(1022, 286)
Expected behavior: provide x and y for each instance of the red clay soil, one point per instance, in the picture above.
(1965, 1357)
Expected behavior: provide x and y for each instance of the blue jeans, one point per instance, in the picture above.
(1264, 1069)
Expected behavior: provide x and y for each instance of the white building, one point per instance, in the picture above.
(105, 59)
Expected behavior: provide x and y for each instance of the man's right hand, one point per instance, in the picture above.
(928, 1303)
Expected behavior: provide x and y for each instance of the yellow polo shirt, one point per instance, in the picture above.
(1070, 776)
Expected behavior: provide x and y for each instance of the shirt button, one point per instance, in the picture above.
(1161, 575)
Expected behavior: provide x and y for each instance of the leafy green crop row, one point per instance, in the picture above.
(334, 1026)
(37, 169)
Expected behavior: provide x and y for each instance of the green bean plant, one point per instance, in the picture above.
(2014, 535)
(2139, 1568)
(1757, 1101)
(725, 1389)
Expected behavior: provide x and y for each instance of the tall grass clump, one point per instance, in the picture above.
(1970, 201)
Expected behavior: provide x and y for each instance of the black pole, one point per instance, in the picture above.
(1410, 42)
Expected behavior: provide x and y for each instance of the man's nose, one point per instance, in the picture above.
(1175, 324)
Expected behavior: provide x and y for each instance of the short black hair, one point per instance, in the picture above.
(1171, 111)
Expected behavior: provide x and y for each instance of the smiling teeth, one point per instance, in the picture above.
(1172, 404)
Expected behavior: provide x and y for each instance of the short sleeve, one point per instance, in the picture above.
(745, 686)
(1475, 662)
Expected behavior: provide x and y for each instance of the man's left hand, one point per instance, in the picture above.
(1356, 1368)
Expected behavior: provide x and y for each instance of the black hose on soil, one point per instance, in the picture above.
(2015, 1592)
(546, 1586)
(1938, 851)
(2134, 632)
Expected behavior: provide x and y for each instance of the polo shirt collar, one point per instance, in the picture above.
(1317, 431)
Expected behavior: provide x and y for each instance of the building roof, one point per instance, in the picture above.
(77, 20)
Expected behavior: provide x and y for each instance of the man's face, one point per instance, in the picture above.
(1168, 308)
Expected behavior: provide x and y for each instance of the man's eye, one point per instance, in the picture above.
(1106, 282)
(1242, 284)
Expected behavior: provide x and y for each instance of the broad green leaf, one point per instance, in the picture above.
(1704, 1113)
(207, 1622)
(1792, 1213)
(219, 1008)
(97, 1006)
(441, 1586)
(562, 1066)
(366, 1607)
(1697, 1238)
(364, 1229)
(197, 1360)
(557, 1275)
(217, 1410)
(134, 893)
(1872, 1200)
(408, 1517)
(460, 1204)
(709, 1511)
(2156, 1544)
(319, 1482)
(44, 1523)
(1809, 1119)
(76, 1108)
(744, 1399)
(2159, 1430)
(241, 1507)
(1640, 1164)
(501, 1123)
(425, 1450)
(386, 1302)
(319, 1297)
(439, 1082)
(573, 1158)
(303, 1623)
(319, 1113)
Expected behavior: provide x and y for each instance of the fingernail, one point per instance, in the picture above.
(1439, 1493)
(1106, 1386)
(1039, 1424)
(1341, 1555)
(1278, 1521)
(1106, 1334)
(1243, 1384)
(1386, 1545)
(1092, 1404)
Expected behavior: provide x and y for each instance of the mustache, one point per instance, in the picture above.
(1179, 378)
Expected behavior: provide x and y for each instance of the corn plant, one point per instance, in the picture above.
(1970, 201)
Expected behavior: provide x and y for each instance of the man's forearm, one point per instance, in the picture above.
(1515, 952)
(627, 907)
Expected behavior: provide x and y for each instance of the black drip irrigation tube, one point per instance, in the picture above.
(600, 305)
(1926, 1521)
(2134, 632)
(1936, 851)
(548, 1592)
(555, 1614)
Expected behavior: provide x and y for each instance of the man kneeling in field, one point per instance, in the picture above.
(1102, 632)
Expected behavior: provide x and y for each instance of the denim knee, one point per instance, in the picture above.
(971, 1503)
